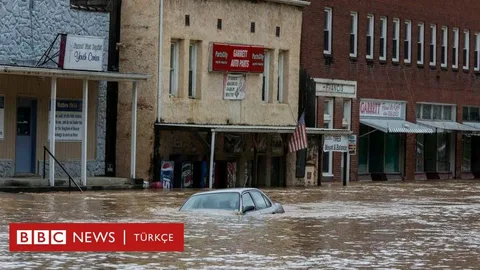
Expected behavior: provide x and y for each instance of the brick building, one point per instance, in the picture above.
(385, 65)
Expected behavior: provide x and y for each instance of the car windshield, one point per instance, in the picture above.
(221, 200)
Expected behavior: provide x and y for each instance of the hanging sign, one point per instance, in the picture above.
(236, 58)
(335, 143)
(68, 120)
(352, 144)
(381, 108)
(81, 52)
(2, 116)
(234, 86)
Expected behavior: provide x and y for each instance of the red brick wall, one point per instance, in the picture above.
(407, 82)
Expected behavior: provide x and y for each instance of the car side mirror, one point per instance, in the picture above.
(248, 208)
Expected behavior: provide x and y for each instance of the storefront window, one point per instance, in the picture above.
(467, 154)
(426, 111)
(447, 113)
(392, 154)
(363, 146)
(471, 114)
(437, 112)
(420, 167)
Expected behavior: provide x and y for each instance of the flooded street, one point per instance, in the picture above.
(370, 225)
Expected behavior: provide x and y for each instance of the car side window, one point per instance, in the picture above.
(258, 199)
(247, 200)
(267, 201)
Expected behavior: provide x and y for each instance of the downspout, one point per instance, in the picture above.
(156, 143)
(160, 62)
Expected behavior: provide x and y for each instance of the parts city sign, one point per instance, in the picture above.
(233, 58)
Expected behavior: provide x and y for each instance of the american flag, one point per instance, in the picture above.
(299, 139)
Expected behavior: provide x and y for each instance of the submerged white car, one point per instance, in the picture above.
(239, 200)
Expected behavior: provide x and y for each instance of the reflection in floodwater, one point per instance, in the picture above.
(369, 225)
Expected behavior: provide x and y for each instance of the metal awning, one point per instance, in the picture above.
(251, 129)
(442, 126)
(72, 74)
(395, 126)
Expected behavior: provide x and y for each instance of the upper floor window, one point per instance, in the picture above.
(353, 34)
(383, 38)
(174, 51)
(420, 46)
(280, 90)
(471, 114)
(370, 35)
(327, 32)
(444, 51)
(433, 45)
(192, 71)
(427, 111)
(466, 50)
(455, 48)
(477, 49)
(396, 40)
(408, 42)
(266, 77)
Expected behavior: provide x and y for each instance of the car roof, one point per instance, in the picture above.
(226, 190)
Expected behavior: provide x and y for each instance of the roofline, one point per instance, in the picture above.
(256, 129)
(72, 74)
(298, 3)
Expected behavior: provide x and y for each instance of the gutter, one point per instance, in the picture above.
(160, 62)
(298, 3)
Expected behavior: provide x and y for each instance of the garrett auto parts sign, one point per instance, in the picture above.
(236, 58)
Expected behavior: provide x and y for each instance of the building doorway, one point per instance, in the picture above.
(26, 130)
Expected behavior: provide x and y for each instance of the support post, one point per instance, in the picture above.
(53, 107)
(84, 132)
(212, 156)
(133, 148)
(345, 155)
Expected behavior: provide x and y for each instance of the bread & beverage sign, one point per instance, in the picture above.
(81, 52)
(232, 58)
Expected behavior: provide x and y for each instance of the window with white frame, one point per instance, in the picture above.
(466, 50)
(353, 34)
(327, 32)
(408, 42)
(477, 55)
(327, 123)
(456, 41)
(396, 40)
(444, 52)
(427, 111)
(280, 76)
(420, 41)
(192, 71)
(383, 38)
(174, 68)
(370, 35)
(433, 45)
(266, 77)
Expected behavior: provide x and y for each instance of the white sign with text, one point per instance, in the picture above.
(379, 108)
(68, 122)
(234, 86)
(335, 143)
(83, 53)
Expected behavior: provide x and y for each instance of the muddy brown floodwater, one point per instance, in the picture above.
(421, 225)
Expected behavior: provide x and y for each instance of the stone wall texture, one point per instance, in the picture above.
(28, 27)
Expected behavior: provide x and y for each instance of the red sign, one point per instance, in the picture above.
(237, 58)
(101, 237)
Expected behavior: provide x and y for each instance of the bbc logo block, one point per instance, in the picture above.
(41, 237)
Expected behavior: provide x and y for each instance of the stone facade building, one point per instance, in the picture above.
(416, 67)
(28, 29)
(198, 101)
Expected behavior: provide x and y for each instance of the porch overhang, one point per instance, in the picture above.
(448, 126)
(395, 126)
(249, 129)
(72, 74)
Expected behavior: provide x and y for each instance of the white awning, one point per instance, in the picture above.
(442, 126)
(395, 126)
(254, 129)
